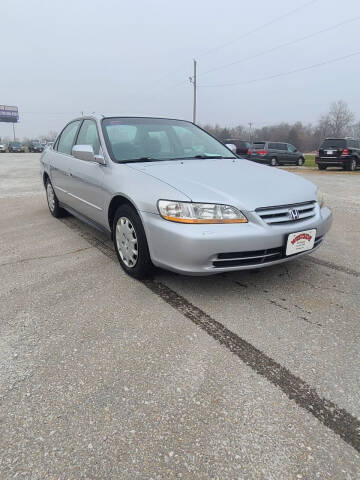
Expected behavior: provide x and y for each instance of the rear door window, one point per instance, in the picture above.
(273, 146)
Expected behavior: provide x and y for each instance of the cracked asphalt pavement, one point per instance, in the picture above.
(249, 375)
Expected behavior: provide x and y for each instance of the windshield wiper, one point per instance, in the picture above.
(151, 159)
(202, 157)
(141, 159)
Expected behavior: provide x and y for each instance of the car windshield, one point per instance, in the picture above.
(151, 139)
(15, 144)
(333, 143)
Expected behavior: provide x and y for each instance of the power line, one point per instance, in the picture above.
(255, 80)
(278, 47)
(246, 34)
(49, 113)
(258, 28)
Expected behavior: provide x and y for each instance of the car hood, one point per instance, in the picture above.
(236, 182)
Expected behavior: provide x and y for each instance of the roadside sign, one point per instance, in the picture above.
(9, 114)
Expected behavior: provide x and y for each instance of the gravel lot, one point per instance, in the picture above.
(249, 375)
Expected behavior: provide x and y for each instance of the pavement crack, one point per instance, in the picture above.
(331, 265)
(328, 413)
(44, 257)
(337, 419)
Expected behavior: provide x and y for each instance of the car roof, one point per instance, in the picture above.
(339, 138)
(237, 140)
(101, 116)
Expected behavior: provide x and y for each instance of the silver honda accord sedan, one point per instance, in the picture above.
(171, 195)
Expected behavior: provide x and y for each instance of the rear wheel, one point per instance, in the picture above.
(322, 167)
(273, 162)
(351, 165)
(53, 203)
(130, 243)
(300, 161)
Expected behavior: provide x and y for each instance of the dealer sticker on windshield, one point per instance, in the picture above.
(300, 242)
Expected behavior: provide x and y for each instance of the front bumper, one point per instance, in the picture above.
(200, 249)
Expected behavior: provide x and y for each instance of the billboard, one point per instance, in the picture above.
(9, 114)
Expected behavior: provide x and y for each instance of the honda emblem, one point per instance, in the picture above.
(294, 214)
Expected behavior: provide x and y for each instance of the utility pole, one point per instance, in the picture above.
(193, 81)
(250, 125)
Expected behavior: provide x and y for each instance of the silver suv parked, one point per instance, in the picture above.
(171, 195)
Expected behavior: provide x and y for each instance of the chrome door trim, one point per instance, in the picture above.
(78, 198)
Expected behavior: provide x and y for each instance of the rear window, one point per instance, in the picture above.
(238, 143)
(258, 145)
(334, 143)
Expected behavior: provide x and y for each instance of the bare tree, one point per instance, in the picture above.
(339, 119)
(307, 138)
(51, 136)
(356, 130)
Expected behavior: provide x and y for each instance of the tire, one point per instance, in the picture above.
(322, 167)
(300, 161)
(52, 201)
(130, 243)
(273, 162)
(351, 165)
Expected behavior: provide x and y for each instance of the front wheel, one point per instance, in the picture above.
(300, 161)
(322, 167)
(273, 162)
(130, 243)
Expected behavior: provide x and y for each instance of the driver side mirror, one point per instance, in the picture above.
(86, 153)
(231, 147)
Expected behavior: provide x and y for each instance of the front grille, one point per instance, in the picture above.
(281, 214)
(254, 258)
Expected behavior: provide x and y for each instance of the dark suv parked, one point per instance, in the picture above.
(276, 153)
(35, 147)
(242, 146)
(339, 152)
(15, 147)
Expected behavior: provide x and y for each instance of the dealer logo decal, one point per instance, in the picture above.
(302, 236)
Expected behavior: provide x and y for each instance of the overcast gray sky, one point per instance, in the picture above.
(61, 57)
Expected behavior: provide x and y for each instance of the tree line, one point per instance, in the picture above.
(338, 122)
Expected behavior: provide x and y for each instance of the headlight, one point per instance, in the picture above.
(320, 198)
(188, 212)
